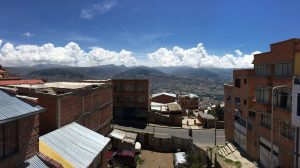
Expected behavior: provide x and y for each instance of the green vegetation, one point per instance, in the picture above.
(139, 160)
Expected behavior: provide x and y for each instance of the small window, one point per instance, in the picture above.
(287, 130)
(237, 83)
(237, 101)
(245, 81)
(245, 102)
(265, 120)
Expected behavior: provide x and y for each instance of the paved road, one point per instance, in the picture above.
(202, 137)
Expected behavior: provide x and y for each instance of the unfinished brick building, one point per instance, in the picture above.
(19, 129)
(89, 104)
(249, 102)
(131, 99)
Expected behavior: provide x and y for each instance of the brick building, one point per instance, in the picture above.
(189, 101)
(163, 98)
(19, 129)
(248, 106)
(89, 104)
(131, 99)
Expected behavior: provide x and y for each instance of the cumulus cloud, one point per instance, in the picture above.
(198, 57)
(71, 54)
(28, 34)
(98, 9)
(238, 52)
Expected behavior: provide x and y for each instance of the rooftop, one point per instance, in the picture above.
(164, 93)
(74, 144)
(63, 85)
(174, 107)
(19, 82)
(12, 107)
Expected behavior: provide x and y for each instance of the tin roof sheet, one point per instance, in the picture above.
(35, 162)
(76, 144)
(12, 107)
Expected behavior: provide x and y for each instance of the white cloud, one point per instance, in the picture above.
(71, 54)
(0, 42)
(98, 9)
(198, 57)
(238, 52)
(28, 34)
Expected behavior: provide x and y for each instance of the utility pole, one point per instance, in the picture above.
(272, 122)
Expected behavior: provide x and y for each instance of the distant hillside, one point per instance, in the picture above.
(190, 72)
(56, 74)
(181, 80)
(140, 73)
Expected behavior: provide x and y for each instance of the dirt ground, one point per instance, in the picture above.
(155, 160)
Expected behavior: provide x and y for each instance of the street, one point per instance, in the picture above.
(201, 137)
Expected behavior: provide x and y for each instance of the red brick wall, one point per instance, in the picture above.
(28, 142)
(163, 99)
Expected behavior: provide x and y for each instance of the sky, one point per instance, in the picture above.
(195, 33)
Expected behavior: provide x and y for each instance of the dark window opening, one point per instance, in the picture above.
(237, 101)
(237, 83)
(251, 114)
(245, 102)
(245, 81)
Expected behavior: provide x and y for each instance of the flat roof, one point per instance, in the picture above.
(63, 85)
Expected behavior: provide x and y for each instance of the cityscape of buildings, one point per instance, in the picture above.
(91, 123)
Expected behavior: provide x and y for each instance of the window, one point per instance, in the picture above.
(8, 139)
(129, 99)
(262, 70)
(262, 94)
(283, 69)
(237, 101)
(129, 88)
(251, 114)
(287, 130)
(245, 81)
(265, 120)
(298, 105)
(237, 83)
(245, 102)
(140, 88)
(141, 99)
(283, 100)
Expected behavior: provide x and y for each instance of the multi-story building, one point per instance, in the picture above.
(89, 104)
(131, 99)
(19, 129)
(258, 106)
(189, 101)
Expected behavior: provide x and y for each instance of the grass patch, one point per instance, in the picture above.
(139, 160)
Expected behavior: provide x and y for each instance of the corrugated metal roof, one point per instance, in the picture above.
(12, 107)
(206, 116)
(35, 162)
(123, 136)
(174, 107)
(76, 144)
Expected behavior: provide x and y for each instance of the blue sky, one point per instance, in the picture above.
(143, 27)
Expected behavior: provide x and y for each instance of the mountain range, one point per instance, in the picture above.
(182, 80)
